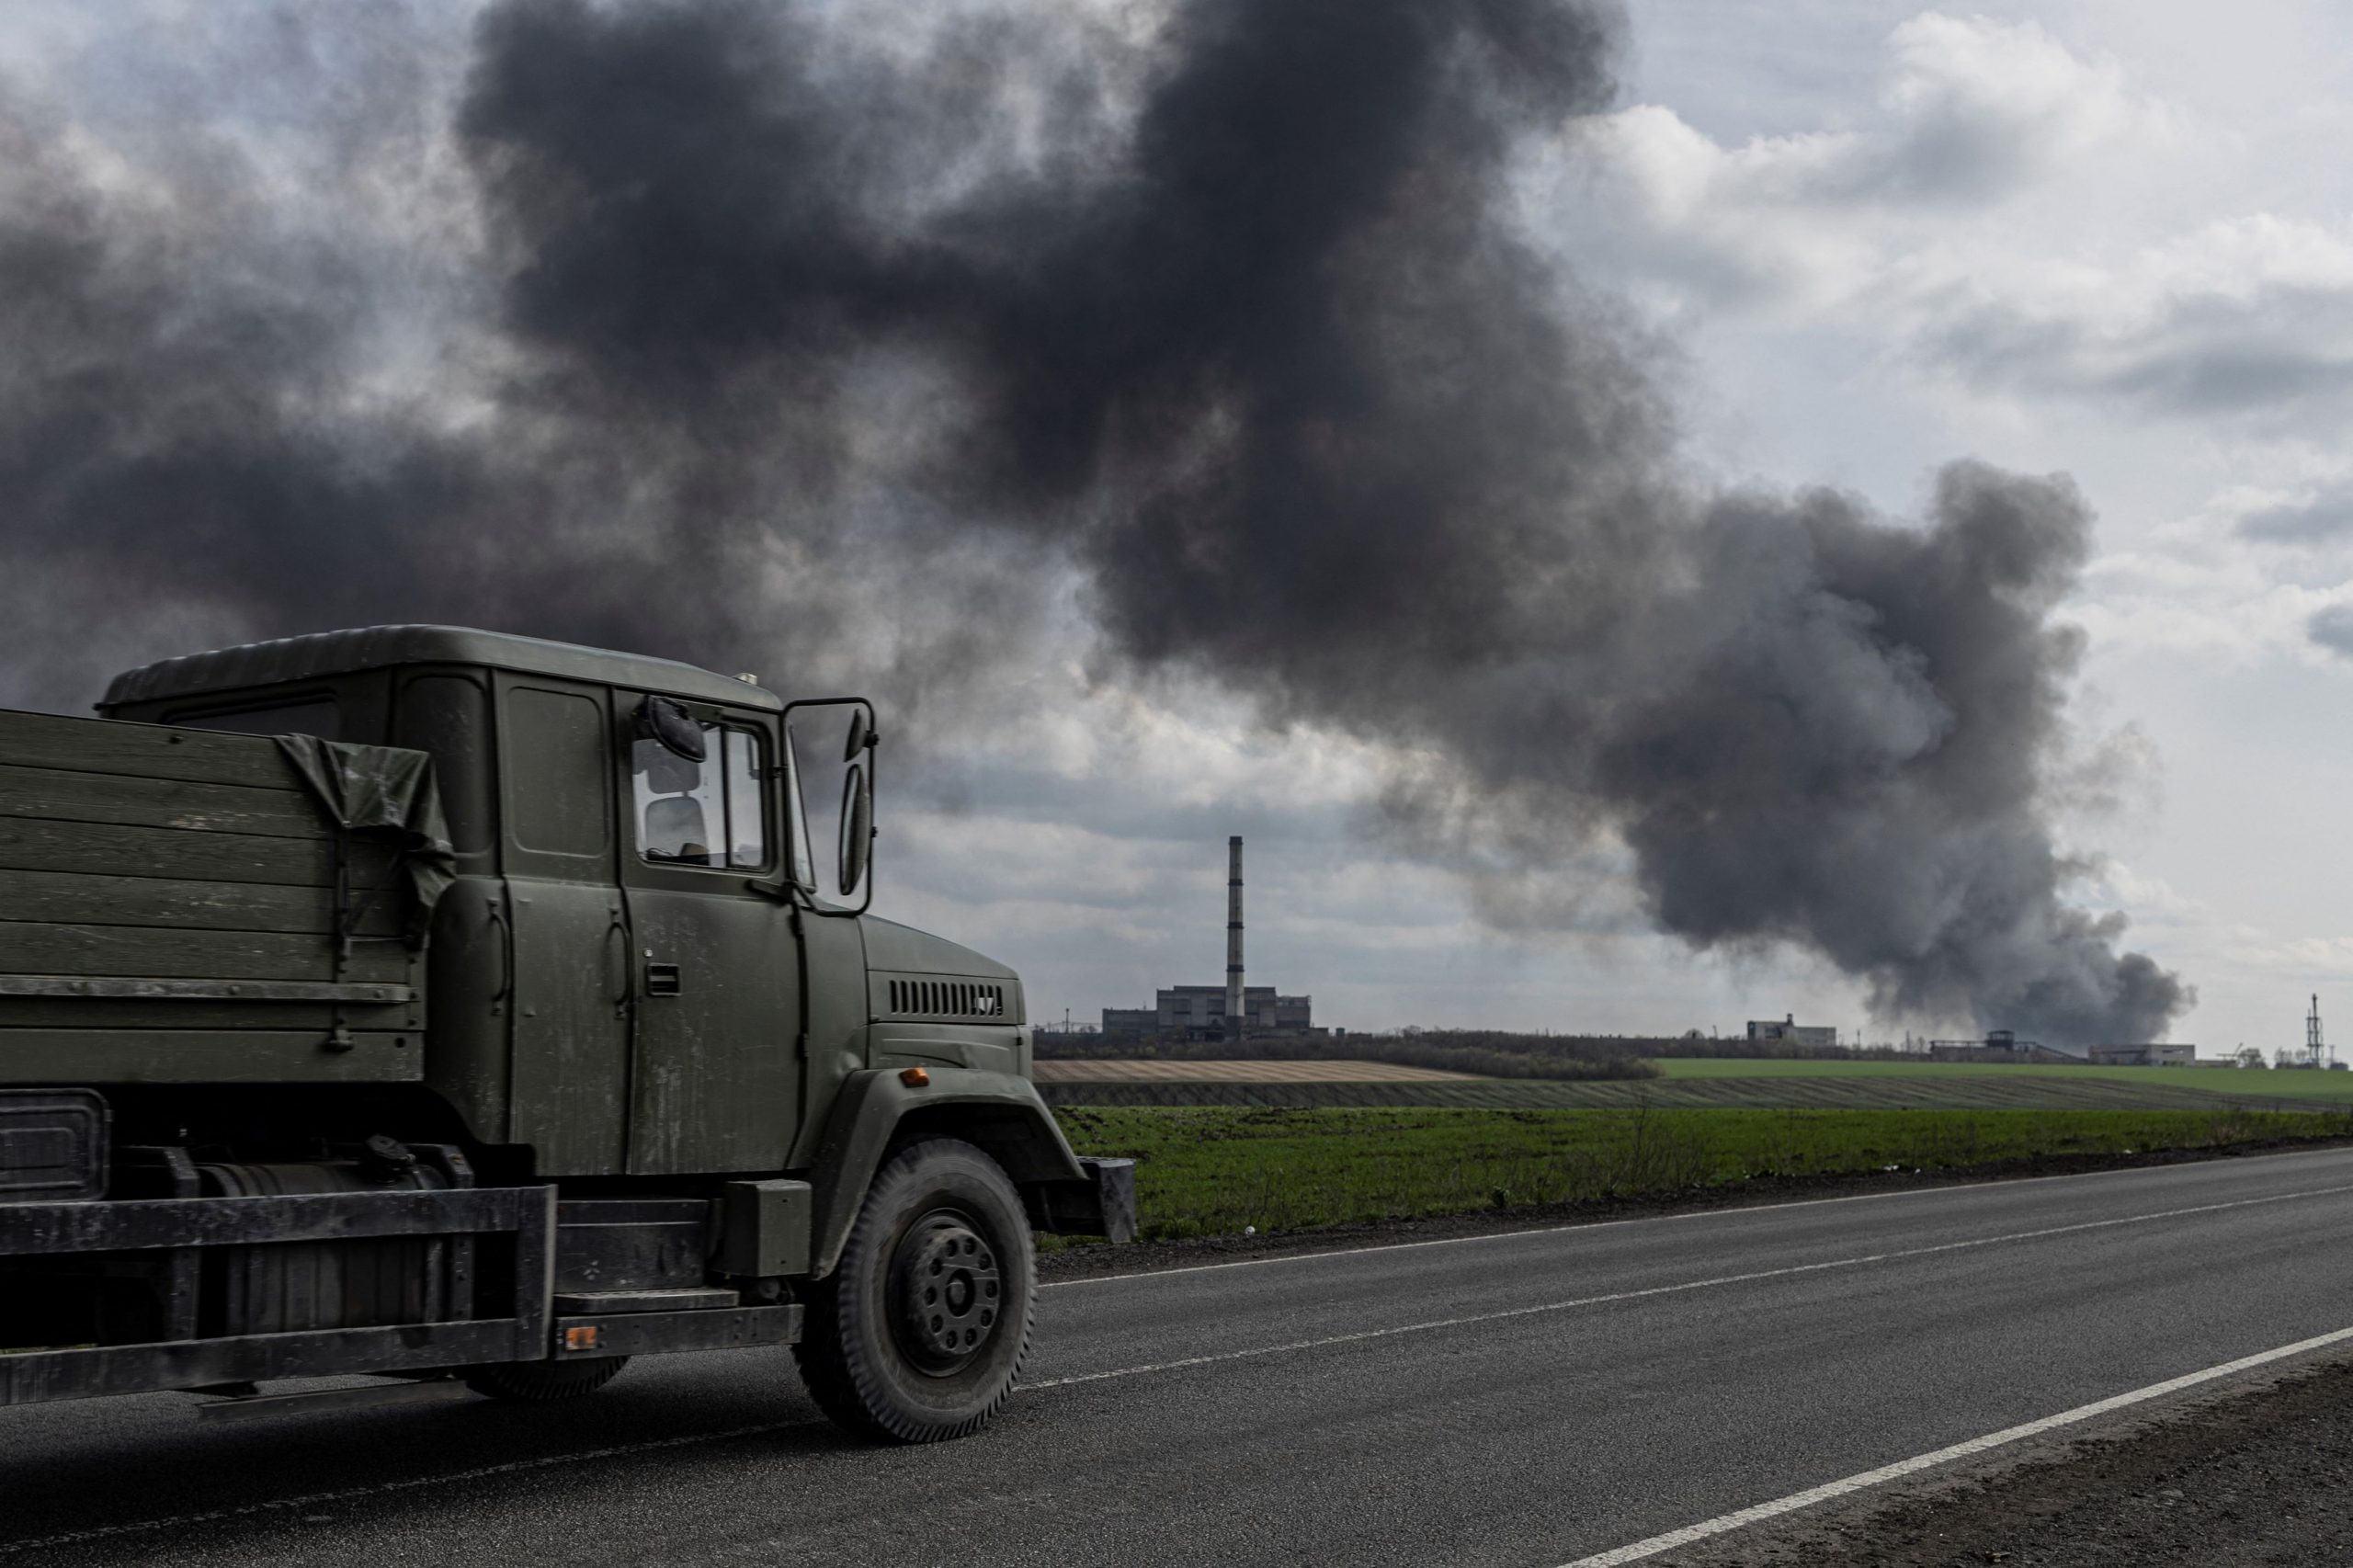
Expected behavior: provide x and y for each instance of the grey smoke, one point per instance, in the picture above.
(1235, 320)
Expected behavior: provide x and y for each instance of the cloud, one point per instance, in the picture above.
(2010, 217)
(1981, 108)
(2332, 628)
(1971, 113)
(2249, 316)
(2323, 518)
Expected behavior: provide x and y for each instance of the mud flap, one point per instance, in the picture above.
(1102, 1205)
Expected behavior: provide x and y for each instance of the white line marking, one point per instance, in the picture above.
(1728, 1211)
(1256, 1351)
(1691, 1534)
(545, 1461)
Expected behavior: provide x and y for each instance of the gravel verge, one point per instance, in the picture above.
(2256, 1475)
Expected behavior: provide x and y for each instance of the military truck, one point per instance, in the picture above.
(466, 1010)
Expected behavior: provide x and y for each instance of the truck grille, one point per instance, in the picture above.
(948, 998)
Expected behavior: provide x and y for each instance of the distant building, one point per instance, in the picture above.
(2144, 1055)
(1999, 1045)
(1789, 1030)
(1198, 1012)
(1217, 1012)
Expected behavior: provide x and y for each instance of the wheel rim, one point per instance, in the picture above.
(946, 1290)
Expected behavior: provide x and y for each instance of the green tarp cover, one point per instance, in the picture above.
(386, 795)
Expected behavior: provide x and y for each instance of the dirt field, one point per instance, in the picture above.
(1138, 1072)
(1909, 1086)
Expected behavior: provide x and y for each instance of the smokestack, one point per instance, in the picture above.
(1233, 1005)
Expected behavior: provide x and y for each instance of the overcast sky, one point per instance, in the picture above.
(2112, 239)
(2107, 239)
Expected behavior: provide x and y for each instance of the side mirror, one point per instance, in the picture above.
(852, 827)
(861, 735)
(858, 827)
(662, 720)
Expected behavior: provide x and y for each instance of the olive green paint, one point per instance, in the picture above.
(602, 1014)
(1000, 1112)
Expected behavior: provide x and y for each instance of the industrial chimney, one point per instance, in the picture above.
(1233, 1004)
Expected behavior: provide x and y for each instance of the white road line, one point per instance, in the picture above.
(1726, 1212)
(1254, 1352)
(619, 1450)
(1691, 1534)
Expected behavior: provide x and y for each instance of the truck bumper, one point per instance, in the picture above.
(172, 1231)
(1104, 1204)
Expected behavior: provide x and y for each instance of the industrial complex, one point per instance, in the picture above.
(1218, 1012)
(1789, 1030)
(1235, 1009)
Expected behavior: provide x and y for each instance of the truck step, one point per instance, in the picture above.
(245, 1408)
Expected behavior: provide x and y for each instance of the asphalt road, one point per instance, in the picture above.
(1522, 1400)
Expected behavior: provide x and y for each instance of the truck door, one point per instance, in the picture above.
(715, 1069)
(567, 980)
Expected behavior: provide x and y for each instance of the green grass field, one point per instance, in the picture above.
(1206, 1170)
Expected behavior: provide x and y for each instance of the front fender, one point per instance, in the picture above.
(1000, 1112)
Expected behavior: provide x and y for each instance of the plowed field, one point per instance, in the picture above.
(1158, 1071)
(1714, 1085)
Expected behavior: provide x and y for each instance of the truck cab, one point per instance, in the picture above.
(600, 959)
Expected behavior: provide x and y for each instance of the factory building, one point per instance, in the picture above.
(1218, 1012)
(1999, 1045)
(2144, 1055)
(1788, 1029)
(1200, 1011)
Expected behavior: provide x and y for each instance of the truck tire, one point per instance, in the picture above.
(920, 1330)
(542, 1383)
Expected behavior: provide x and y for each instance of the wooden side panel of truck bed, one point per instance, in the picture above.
(168, 913)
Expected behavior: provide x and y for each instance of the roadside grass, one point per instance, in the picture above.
(1213, 1170)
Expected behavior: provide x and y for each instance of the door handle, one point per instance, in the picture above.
(505, 959)
(628, 994)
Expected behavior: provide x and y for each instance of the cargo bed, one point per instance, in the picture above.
(176, 906)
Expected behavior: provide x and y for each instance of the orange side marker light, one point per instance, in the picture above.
(913, 1077)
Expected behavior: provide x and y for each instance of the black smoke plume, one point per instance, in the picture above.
(1235, 317)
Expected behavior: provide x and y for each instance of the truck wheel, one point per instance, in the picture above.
(542, 1383)
(920, 1330)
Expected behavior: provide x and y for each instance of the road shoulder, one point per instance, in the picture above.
(2255, 1474)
